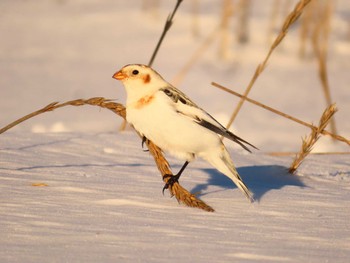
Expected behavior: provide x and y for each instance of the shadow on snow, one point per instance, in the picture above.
(259, 179)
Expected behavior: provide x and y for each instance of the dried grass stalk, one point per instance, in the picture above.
(273, 19)
(305, 27)
(151, 6)
(309, 142)
(320, 44)
(181, 194)
(195, 56)
(291, 18)
(168, 24)
(243, 21)
(227, 11)
(96, 101)
(281, 154)
(195, 18)
(325, 132)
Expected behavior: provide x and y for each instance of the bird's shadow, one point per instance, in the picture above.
(259, 179)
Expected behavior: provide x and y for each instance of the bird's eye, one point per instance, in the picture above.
(135, 72)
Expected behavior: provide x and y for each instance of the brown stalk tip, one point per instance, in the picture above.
(310, 141)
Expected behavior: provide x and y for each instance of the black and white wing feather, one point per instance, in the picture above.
(188, 108)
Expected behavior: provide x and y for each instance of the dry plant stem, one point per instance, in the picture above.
(305, 28)
(320, 44)
(181, 194)
(152, 6)
(291, 18)
(243, 17)
(227, 11)
(315, 153)
(97, 101)
(167, 26)
(310, 141)
(194, 58)
(195, 18)
(273, 19)
(334, 136)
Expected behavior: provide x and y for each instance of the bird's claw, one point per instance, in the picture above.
(172, 179)
(144, 140)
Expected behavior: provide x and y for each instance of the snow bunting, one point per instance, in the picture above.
(167, 117)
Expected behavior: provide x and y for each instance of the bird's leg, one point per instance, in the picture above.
(174, 178)
(144, 139)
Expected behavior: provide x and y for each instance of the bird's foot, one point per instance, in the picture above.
(172, 179)
(144, 140)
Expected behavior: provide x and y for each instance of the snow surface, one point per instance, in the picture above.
(73, 189)
(103, 203)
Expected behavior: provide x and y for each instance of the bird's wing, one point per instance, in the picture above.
(188, 108)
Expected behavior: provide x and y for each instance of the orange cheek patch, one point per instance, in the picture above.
(146, 79)
(144, 101)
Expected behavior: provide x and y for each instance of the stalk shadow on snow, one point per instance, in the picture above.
(259, 179)
(40, 144)
(81, 165)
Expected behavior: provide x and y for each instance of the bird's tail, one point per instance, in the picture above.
(224, 164)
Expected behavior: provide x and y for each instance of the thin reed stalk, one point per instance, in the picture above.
(290, 20)
(312, 153)
(195, 18)
(306, 25)
(151, 6)
(226, 14)
(243, 21)
(273, 20)
(320, 45)
(168, 24)
(334, 136)
(195, 56)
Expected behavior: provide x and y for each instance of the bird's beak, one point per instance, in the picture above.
(119, 75)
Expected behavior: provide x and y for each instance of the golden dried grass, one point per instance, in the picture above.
(320, 47)
(195, 57)
(315, 26)
(243, 13)
(180, 193)
(290, 19)
(325, 132)
(309, 142)
(320, 39)
(226, 14)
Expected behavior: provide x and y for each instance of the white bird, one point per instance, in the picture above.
(166, 116)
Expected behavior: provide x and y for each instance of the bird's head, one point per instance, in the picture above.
(139, 80)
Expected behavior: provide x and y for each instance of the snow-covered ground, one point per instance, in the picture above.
(103, 203)
(74, 189)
